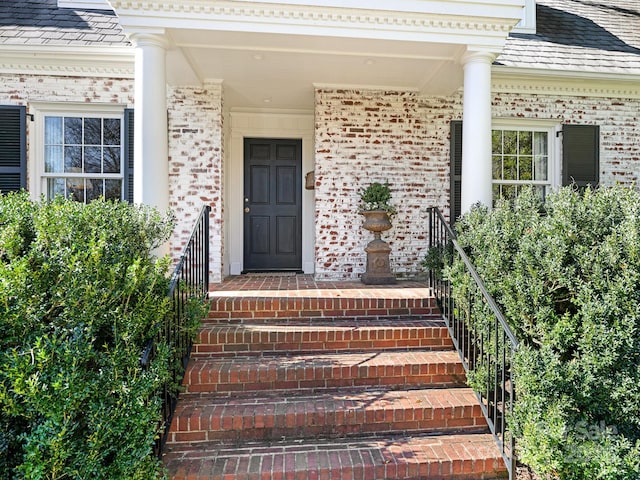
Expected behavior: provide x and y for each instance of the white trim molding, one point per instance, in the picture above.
(295, 124)
(117, 62)
(528, 81)
(447, 21)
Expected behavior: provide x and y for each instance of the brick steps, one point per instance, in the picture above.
(318, 372)
(296, 335)
(436, 457)
(208, 417)
(317, 305)
(294, 381)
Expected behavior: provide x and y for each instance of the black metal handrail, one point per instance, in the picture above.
(480, 334)
(190, 280)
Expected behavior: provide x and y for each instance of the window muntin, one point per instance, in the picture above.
(520, 158)
(83, 157)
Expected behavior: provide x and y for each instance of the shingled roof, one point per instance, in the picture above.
(573, 35)
(579, 35)
(41, 22)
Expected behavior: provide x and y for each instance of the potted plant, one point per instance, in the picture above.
(376, 197)
(376, 207)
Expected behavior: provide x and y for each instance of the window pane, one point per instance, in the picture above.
(55, 186)
(525, 143)
(510, 170)
(510, 142)
(525, 168)
(75, 189)
(53, 131)
(497, 167)
(112, 160)
(92, 131)
(111, 131)
(540, 143)
(508, 192)
(496, 142)
(93, 159)
(540, 167)
(53, 159)
(94, 188)
(113, 189)
(496, 193)
(73, 131)
(73, 159)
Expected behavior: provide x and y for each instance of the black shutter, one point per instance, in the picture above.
(581, 155)
(455, 154)
(127, 149)
(13, 148)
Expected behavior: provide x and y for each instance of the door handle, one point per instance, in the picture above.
(247, 209)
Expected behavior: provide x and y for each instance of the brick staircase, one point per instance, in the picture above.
(350, 383)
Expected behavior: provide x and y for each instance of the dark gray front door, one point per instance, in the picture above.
(272, 204)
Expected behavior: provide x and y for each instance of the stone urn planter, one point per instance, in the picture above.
(377, 211)
(378, 268)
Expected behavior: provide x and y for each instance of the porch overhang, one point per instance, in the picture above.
(272, 54)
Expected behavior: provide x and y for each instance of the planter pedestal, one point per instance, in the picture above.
(378, 268)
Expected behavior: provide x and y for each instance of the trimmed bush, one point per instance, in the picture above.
(566, 274)
(80, 295)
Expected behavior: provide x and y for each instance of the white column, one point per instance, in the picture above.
(476, 130)
(150, 164)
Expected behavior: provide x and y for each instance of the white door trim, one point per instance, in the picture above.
(298, 125)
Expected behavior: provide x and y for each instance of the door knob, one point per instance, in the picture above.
(247, 209)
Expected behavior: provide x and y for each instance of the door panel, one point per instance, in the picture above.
(273, 204)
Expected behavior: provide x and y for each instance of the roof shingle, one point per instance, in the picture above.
(582, 35)
(30, 22)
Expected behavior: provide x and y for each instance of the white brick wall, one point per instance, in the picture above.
(195, 139)
(360, 137)
(368, 136)
(195, 165)
(619, 121)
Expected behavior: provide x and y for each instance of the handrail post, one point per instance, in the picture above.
(206, 248)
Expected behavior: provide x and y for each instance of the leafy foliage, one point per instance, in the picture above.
(80, 295)
(377, 196)
(567, 275)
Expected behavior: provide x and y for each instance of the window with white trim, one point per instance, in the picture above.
(522, 157)
(81, 153)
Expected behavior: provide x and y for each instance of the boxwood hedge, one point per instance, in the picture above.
(566, 273)
(80, 295)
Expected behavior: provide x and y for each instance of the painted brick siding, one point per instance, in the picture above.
(25, 89)
(619, 121)
(367, 136)
(195, 133)
(195, 165)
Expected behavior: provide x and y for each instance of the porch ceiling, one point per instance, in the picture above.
(271, 54)
(264, 70)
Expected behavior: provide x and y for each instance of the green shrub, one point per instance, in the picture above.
(567, 276)
(80, 295)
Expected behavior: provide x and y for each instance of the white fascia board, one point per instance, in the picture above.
(85, 4)
(115, 62)
(563, 82)
(453, 21)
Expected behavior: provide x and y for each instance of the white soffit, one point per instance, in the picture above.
(269, 55)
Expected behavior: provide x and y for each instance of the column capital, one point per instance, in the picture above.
(478, 56)
(149, 38)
